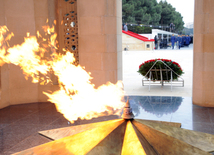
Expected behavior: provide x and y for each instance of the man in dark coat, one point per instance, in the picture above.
(171, 26)
(173, 40)
(164, 42)
(156, 42)
(190, 40)
(183, 40)
(187, 40)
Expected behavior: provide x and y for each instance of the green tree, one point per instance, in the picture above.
(170, 15)
(178, 21)
(142, 11)
(149, 12)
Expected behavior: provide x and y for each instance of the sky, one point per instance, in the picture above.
(185, 7)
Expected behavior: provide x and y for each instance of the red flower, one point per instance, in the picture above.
(141, 65)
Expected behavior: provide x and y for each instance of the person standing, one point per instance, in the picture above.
(187, 40)
(159, 42)
(156, 42)
(183, 40)
(125, 27)
(165, 42)
(171, 26)
(173, 40)
(179, 41)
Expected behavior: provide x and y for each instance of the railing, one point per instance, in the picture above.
(137, 36)
(156, 75)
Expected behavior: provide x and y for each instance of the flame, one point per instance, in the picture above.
(38, 34)
(28, 34)
(77, 96)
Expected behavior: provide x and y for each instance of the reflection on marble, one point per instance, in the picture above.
(173, 109)
(163, 108)
(159, 105)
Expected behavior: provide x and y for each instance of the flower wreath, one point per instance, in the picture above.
(146, 66)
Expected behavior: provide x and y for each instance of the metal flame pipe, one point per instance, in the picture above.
(127, 111)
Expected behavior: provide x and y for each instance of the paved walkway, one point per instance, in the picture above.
(133, 80)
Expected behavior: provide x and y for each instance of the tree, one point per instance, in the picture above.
(169, 15)
(149, 12)
(142, 11)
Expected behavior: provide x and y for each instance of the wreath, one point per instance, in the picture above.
(158, 67)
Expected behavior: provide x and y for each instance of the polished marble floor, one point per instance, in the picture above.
(19, 124)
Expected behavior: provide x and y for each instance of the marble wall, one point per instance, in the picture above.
(203, 68)
(100, 39)
(22, 16)
(100, 43)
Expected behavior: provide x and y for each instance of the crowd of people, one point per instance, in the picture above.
(179, 41)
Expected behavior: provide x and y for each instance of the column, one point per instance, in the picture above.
(203, 67)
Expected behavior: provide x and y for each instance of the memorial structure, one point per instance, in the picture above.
(91, 30)
(95, 38)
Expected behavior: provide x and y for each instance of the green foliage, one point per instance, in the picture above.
(149, 12)
(143, 11)
(140, 29)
